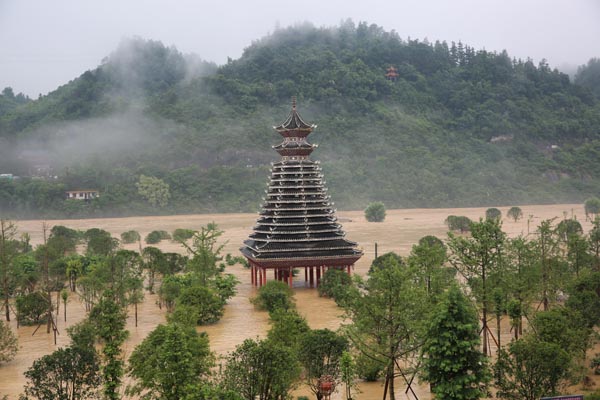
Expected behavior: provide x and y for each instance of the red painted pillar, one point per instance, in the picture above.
(312, 277)
(318, 276)
(290, 277)
(252, 274)
(305, 274)
(349, 268)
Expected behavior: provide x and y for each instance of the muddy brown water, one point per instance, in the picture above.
(400, 230)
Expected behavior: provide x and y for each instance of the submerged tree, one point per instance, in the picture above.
(320, 355)
(168, 361)
(261, 369)
(8, 343)
(108, 319)
(479, 259)
(375, 212)
(515, 213)
(530, 369)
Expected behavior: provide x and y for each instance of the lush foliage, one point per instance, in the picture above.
(515, 213)
(8, 343)
(274, 295)
(459, 127)
(454, 365)
(493, 213)
(458, 223)
(168, 361)
(130, 237)
(375, 212)
(155, 237)
(262, 369)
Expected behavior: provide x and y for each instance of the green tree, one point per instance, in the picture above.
(261, 369)
(155, 237)
(479, 259)
(320, 354)
(493, 213)
(348, 372)
(274, 295)
(458, 223)
(567, 228)
(198, 304)
(205, 252)
(592, 207)
(375, 212)
(515, 213)
(181, 235)
(588, 76)
(8, 343)
(154, 190)
(584, 297)
(335, 284)
(287, 328)
(531, 369)
(549, 262)
(130, 236)
(108, 319)
(168, 361)
(99, 242)
(154, 262)
(428, 257)
(32, 308)
(70, 373)
(8, 231)
(387, 317)
(453, 363)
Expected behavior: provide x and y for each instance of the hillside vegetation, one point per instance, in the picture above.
(459, 127)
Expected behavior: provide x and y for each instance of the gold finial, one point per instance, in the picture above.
(294, 102)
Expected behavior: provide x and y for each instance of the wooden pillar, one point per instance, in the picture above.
(252, 273)
(349, 268)
(305, 274)
(290, 277)
(263, 276)
(318, 275)
(312, 276)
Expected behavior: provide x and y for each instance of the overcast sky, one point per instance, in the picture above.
(46, 43)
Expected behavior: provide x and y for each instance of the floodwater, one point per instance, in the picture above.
(400, 230)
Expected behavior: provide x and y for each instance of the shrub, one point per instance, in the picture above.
(458, 223)
(335, 284)
(156, 236)
(592, 206)
(385, 260)
(568, 227)
(273, 296)
(181, 235)
(515, 213)
(375, 212)
(31, 307)
(368, 369)
(130, 237)
(198, 304)
(493, 213)
(8, 343)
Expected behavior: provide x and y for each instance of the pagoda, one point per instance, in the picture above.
(391, 74)
(297, 227)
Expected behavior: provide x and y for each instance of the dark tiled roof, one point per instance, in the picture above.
(297, 221)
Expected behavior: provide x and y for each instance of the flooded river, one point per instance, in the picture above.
(400, 230)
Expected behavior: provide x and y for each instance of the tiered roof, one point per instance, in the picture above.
(297, 225)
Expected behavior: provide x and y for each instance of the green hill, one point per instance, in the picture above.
(458, 127)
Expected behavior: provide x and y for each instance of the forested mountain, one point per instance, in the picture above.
(458, 127)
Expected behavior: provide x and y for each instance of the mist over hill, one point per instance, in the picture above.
(458, 127)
